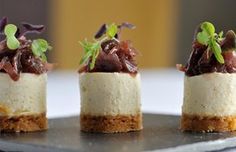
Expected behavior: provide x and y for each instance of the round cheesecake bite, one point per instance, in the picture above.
(210, 82)
(23, 78)
(110, 83)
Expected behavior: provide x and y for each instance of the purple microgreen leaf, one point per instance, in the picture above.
(30, 28)
(126, 25)
(3, 23)
(17, 33)
(117, 35)
(123, 25)
(102, 30)
(2, 37)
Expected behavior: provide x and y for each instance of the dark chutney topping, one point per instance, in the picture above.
(202, 59)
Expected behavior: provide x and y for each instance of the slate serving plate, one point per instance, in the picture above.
(160, 133)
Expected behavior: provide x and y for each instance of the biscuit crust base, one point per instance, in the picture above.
(23, 123)
(111, 124)
(198, 123)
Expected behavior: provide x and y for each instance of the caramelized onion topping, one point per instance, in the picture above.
(14, 62)
(114, 56)
(202, 60)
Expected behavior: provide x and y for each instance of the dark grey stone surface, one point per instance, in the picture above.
(160, 133)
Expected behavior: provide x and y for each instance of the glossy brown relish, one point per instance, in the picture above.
(22, 60)
(202, 60)
(114, 56)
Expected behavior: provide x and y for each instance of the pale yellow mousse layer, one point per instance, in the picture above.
(110, 94)
(26, 96)
(212, 94)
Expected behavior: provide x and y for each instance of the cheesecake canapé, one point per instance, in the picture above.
(110, 84)
(210, 82)
(23, 79)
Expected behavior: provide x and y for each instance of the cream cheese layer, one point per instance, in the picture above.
(212, 94)
(110, 93)
(26, 96)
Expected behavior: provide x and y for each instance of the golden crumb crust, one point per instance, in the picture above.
(23, 123)
(111, 124)
(208, 123)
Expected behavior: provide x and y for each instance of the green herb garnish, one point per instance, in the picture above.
(211, 39)
(14, 37)
(10, 31)
(39, 47)
(112, 30)
(92, 49)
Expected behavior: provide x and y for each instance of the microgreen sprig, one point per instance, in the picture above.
(106, 32)
(13, 34)
(211, 39)
(92, 49)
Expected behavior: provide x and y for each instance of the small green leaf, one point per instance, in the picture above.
(220, 34)
(86, 45)
(86, 57)
(203, 38)
(219, 37)
(208, 28)
(39, 47)
(95, 46)
(10, 31)
(91, 52)
(217, 52)
(112, 30)
(35, 49)
(44, 57)
(95, 55)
